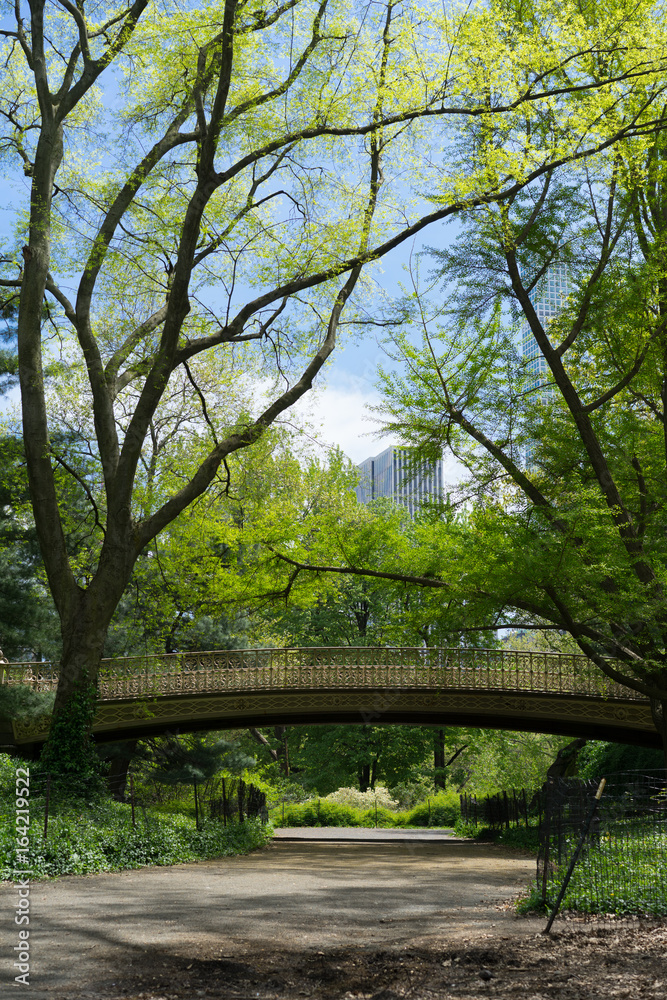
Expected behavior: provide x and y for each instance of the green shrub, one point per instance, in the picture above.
(363, 800)
(442, 809)
(598, 758)
(320, 812)
(101, 838)
(385, 818)
(527, 838)
(8, 767)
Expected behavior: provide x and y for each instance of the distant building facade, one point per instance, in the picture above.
(549, 298)
(393, 474)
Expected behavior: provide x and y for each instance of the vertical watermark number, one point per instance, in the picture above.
(22, 874)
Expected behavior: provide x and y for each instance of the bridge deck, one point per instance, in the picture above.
(552, 692)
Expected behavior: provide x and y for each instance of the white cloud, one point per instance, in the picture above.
(340, 416)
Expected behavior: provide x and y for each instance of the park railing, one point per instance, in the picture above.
(622, 868)
(325, 667)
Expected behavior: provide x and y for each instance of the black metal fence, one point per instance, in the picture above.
(622, 868)
(497, 811)
(229, 800)
(234, 799)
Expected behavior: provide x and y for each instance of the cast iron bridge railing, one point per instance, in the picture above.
(329, 667)
(504, 689)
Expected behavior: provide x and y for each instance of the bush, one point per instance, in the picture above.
(101, 838)
(319, 812)
(363, 800)
(525, 838)
(409, 793)
(386, 818)
(598, 758)
(443, 809)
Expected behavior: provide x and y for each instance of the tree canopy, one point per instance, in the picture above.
(562, 516)
(205, 188)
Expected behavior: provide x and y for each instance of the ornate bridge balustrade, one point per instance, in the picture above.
(335, 667)
(552, 692)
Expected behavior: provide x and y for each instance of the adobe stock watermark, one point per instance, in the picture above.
(22, 871)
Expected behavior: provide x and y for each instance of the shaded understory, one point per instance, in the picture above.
(578, 960)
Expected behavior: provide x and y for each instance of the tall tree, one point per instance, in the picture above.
(567, 493)
(234, 200)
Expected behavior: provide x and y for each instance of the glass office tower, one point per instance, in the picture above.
(392, 474)
(549, 298)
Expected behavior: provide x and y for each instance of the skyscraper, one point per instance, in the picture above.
(393, 474)
(549, 298)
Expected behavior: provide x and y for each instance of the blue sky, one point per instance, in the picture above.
(338, 406)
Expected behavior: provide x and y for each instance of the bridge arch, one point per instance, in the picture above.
(503, 689)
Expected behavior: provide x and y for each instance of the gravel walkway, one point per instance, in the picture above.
(96, 935)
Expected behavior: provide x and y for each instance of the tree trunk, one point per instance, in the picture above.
(280, 733)
(120, 757)
(262, 740)
(364, 775)
(84, 633)
(439, 777)
(659, 713)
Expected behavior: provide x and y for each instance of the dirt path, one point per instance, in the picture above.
(330, 920)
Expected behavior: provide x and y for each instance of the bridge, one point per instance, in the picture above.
(143, 696)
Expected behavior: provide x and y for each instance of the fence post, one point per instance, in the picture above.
(575, 856)
(547, 844)
(196, 805)
(46, 805)
(134, 822)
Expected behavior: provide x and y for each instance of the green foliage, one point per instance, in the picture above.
(85, 839)
(69, 754)
(442, 809)
(363, 800)
(525, 838)
(21, 701)
(623, 875)
(443, 812)
(560, 521)
(28, 623)
(497, 759)
(320, 812)
(183, 760)
(597, 759)
(8, 766)
(532, 903)
(333, 756)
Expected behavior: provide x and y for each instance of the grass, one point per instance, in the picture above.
(524, 837)
(623, 875)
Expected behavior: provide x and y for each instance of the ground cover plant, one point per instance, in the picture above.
(625, 872)
(101, 835)
(525, 838)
